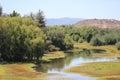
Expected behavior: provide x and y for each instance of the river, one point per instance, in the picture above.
(72, 59)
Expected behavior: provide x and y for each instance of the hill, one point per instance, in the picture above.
(62, 21)
(101, 23)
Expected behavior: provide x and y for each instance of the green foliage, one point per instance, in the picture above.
(58, 38)
(118, 45)
(88, 32)
(0, 10)
(39, 18)
(106, 39)
(73, 32)
(80, 40)
(110, 38)
(95, 41)
(28, 21)
(14, 14)
(68, 42)
(20, 39)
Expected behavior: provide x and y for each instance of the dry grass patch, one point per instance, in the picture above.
(53, 55)
(19, 72)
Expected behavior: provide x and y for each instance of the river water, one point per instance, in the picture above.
(72, 59)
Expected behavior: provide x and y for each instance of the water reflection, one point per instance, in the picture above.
(97, 51)
(72, 59)
(56, 64)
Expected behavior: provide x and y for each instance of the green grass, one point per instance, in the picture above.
(110, 78)
(105, 70)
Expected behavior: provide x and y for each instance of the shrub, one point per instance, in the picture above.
(80, 40)
(110, 38)
(97, 41)
(118, 45)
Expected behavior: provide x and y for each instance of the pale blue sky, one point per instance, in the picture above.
(87, 9)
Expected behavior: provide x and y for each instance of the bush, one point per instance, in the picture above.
(110, 38)
(118, 45)
(68, 42)
(80, 40)
(97, 41)
(56, 35)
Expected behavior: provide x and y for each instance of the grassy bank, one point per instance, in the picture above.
(107, 70)
(111, 50)
(19, 72)
(24, 71)
(53, 55)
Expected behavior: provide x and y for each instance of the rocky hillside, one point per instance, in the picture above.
(101, 23)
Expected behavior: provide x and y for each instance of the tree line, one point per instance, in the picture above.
(28, 38)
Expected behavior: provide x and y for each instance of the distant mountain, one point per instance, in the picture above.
(62, 21)
(101, 23)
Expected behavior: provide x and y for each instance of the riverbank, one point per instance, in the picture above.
(53, 55)
(26, 71)
(104, 70)
(111, 50)
(71, 62)
(107, 70)
(20, 71)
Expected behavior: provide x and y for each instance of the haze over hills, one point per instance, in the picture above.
(101, 23)
(62, 21)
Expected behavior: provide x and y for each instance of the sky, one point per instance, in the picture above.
(87, 9)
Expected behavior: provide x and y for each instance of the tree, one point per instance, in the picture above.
(68, 42)
(95, 41)
(57, 37)
(14, 13)
(0, 10)
(20, 39)
(87, 33)
(38, 48)
(118, 45)
(40, 19)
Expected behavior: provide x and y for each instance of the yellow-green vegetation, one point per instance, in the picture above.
(53, 55)
(111, 50)
(19, 72)
(110, 78)
(107, 70)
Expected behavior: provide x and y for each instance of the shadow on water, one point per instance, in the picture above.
(97, 51)
(56, 64)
